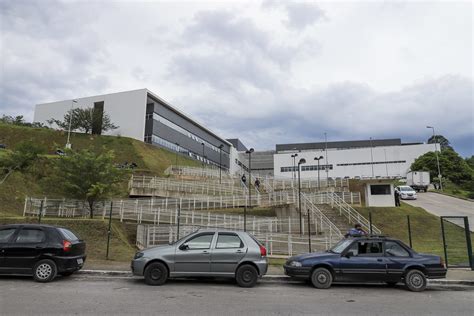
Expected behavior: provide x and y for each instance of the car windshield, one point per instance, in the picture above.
(340, 246)
(406, 189)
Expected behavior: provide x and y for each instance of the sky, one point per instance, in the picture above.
(265, 72)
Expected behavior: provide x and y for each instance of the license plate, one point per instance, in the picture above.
(80, 261)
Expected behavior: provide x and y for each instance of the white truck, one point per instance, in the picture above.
(418, 180)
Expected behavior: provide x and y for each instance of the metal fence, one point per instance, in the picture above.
(277, 244)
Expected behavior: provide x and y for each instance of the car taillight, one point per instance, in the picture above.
(67, 245)
(263, 251)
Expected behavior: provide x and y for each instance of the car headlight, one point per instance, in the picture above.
(295, 264)
(138, 255)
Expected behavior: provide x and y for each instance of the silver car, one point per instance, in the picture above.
(215, 253)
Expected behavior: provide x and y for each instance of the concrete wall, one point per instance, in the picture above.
(125, 109)
(406, 153)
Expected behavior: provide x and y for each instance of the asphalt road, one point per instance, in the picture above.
(443, 205)
(130, 296)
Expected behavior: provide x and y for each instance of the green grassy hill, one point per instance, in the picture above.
(425, 228)
(150, 160)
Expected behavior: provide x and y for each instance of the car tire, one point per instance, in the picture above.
(156, 273)
(246, 276)
(415, 280)
(44, 271)
(321, 278)
(67, 273)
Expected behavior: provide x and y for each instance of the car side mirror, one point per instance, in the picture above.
(349, 254)
(183, 247)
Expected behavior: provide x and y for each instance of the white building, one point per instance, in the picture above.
(354, 159)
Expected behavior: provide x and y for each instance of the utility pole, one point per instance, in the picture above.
(68, 143)
(302, 161)
(437, 158)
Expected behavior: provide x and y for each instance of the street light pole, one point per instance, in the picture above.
(372, 157)
(327, 162)
(249, 152)
(294, 165)
(437, 158)
(302, 161)
(68, 144)
(220, 163)
(318, 159)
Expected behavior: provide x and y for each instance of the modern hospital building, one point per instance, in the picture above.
(142, 115)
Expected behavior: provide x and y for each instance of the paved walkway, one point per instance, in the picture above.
(443, 205)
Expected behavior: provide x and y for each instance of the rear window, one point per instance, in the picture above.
(69, 235)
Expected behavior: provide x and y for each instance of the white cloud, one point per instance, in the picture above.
(270, 72)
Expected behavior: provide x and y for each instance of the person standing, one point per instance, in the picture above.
(397, 198)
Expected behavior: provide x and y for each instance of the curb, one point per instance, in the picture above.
(266, 278)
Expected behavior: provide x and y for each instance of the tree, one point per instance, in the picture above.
(453, 166)
(19, 120)
(87, 176)
(441, 140)
(87, 120)
(20, 159)
(470, 162)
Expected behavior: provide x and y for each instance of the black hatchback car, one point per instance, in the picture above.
(367, 259)
(40, 250)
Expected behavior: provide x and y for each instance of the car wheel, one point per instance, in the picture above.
(44, 270)
(415, 280)
(67, 273)
(246, 276)
(321, 278)
(156, 274)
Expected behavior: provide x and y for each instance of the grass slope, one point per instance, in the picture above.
(150, 159)
(425, 227)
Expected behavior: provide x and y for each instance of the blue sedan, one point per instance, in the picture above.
(367, 259)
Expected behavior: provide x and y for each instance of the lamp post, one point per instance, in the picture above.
(68, 144)
(177, 150)
(372, 157)
(220, 163)
(437, 158)
(302, 161)
(326, 150)
(318, 159)
(202, 159)
(249, 152)
(294, 165)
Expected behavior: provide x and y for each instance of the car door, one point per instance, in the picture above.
(22, 253)
(364, 261)
(228, 251)
(397, 257)
(193, 256)
(6, 236)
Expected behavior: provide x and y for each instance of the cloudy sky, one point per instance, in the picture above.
(266, 72)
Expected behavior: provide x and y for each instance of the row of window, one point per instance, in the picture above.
(181, 130)
(306, 168)
(224, 240)
(370, 163)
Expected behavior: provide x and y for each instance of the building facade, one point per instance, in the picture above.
(142, 115)
(352, 159)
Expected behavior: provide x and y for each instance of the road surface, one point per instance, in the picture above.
(443, 205)
(121, 296)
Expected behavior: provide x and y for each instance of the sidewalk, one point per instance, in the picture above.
(460, 276)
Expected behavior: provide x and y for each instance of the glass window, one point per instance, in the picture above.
(393, 249)
(229, 241)
(380, 189)
(200, 242)
(30, 235)
(340, 246)
(69, 235)
(5, 234)
(369, 248)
